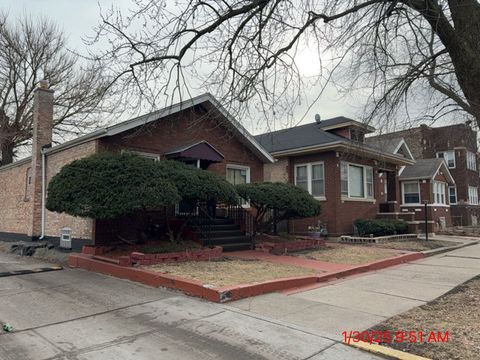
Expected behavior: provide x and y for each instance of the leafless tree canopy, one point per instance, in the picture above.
(245, 51)
(32, 50)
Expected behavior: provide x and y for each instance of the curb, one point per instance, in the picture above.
(228, 293)
(385, 351)
(438, 251)
(30, 271)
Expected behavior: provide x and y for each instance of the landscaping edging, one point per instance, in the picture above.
(289, 246)
(139, 258)
(222, 294)
(378, 239)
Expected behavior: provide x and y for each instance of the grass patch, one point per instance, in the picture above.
(231, 271)
(457, 312)
(419, 245)
(346, 254)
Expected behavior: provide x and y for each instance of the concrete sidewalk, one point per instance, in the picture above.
(365, 300)
(75, 314)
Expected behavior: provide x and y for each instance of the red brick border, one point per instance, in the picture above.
(223, 294)
(151, 259)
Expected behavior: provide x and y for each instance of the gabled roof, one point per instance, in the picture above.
(342, 121)
(426, 169)
(242, 134)
(200, 150)
(312, 137)
(393, 145)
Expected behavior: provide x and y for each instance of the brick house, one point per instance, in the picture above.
(457, 144)
(198, 131)
(331, 160)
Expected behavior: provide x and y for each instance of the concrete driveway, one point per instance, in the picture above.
(75, 314)
(365, 300)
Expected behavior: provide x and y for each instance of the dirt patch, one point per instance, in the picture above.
(231, 271)
(457, 312)
(419, 245)
(346, 254)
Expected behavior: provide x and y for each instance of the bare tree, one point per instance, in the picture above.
(32, 50)
(245, 50)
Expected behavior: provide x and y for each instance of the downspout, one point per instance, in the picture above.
(42, 235)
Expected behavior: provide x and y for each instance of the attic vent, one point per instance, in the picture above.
(66, 238)
(318, 119)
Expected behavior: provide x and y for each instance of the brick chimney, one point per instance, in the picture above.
(42, 137)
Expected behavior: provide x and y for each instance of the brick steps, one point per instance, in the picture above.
(225, 233)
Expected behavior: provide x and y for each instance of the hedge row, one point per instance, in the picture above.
(380, 227)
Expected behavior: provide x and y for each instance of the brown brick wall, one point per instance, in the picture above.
(338, 213)
(278, 171)
(187, 128)
(15, 210)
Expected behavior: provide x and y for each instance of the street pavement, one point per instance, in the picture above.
(75, 314)
(359, 302)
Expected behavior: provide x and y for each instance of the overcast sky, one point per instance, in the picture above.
(78, 17)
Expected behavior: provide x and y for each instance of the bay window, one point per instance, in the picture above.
(356, 181)
(439, 192)
(311, 177)
(472, 195)
(471, 161)
(411, 192)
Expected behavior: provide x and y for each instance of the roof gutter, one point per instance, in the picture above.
(342, 144)
(77, 141)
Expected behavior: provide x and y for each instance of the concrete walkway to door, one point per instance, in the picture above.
(365, 300)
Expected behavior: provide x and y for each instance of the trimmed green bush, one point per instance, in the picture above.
(287, 200)
(107, 186)
(380, 227)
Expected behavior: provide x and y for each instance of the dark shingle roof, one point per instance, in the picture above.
(385, 144)
(422, 169)
(297, 137)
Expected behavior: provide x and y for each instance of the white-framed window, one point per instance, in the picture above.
(472, 195)
(411, 192)
(452, 194)
(311, 177)
(448, 156)
(471, 161)
(439, 193)
(238, 174)
(146, 155)
(356, 181)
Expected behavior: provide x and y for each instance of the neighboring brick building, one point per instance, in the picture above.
(457, 144)
(330, 160)
(198, 131)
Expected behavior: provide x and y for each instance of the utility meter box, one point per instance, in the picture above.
(66, 238)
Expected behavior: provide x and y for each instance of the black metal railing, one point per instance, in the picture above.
(241, 217)
(203, 222)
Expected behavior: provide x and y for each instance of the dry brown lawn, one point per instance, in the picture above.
(457, 312)
(231, 271)
(347, 254)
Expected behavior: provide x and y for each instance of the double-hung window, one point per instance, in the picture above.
(472, 195)
(411, 192)
(449, 157)
(439, 192)
(311, 177)
(471, 161)
(356, 181)
(452, 193)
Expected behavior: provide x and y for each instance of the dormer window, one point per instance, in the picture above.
(357, 135)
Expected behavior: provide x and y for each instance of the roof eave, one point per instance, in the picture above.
(340, 144)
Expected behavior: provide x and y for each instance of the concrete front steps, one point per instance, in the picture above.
(225, 233)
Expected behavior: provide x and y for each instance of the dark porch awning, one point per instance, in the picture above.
(199, 151)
